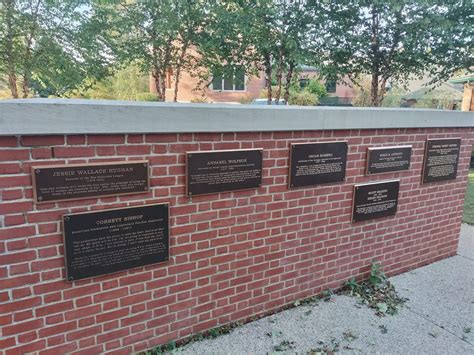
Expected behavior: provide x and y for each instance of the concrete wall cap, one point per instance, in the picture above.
(63, 116)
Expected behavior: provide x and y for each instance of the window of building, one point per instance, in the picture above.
(304, 83)
(331, 86)
(235, 81)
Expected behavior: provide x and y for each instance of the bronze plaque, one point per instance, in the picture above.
(224, 170)
(103, 242)
(441, 159)
(388, 159)
(79, 181)
(317, 163)
(375, 200)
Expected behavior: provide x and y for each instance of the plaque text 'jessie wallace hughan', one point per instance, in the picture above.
(317, 163)
(77, 181)
(225, 170)
(102, 242)
(441, 159)
(375, 200)
(387, 159)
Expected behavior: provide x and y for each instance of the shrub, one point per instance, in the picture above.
(316, 88)
(146, 96)
(246, 99)
(303, 99)
(199, 100)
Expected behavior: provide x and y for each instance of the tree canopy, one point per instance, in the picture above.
(56, 46)
(51, 46)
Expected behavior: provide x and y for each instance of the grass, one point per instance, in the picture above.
(469, 201)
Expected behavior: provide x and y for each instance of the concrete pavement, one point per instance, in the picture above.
(438, 318)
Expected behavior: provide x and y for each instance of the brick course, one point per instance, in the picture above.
(232, 255)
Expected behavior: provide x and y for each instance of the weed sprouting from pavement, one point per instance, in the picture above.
(377, 292)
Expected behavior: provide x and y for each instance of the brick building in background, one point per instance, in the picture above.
(242, 88)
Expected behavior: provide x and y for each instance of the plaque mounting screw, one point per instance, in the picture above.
(66, 218)
(145, 164)
(37, 171)
(70, 278)
(40, 198)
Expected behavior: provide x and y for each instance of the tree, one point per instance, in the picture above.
(127, 83)
(156, 34)
(50, 45)
(391, 40)
(231, 32)
(255, 36)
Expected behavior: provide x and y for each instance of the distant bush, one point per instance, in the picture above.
(303, 99)
(146, 96)
(316, 88)
(264, 92)
(246, 99)
(199, 100)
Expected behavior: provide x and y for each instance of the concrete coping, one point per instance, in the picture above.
(63, 116)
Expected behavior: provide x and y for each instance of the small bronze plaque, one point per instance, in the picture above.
(103, 242)
(388, 159)
(317, 163)
(441, 159)
(224, 170)
(375, 200)
(78, 181)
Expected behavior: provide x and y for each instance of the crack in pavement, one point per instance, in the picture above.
(421, 315)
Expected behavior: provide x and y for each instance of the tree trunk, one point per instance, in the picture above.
(26, 86)
(374, 90)
(12, 84)
(376, 57)
(178, 71)
(268, 77)
(279, 75)
(156, 80)
(9, 49)
(289, 78)
(163, 85)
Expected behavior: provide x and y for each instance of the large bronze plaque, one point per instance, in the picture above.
(388, 159)
(103, 242)
(78, 181)
(224, 170)
(317, 163)
(441, 159)
(375, 200)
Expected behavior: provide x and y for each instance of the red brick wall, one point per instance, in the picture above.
(233, 255)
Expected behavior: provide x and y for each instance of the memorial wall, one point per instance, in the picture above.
(193, 217)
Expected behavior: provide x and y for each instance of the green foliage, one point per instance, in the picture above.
(468, 216)
(146, 96)
(265, 35)
(199, 100)
(303, 99)
(393, 98)
(156, 34)
(315, 87)
(125, 84)
(442, 97)
(245, 99)
(49, 46)
(362, 95)
(329, 348)
(376, 292)
(284, 345)
(391, 41)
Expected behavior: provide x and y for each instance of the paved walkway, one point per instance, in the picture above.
(437, 319)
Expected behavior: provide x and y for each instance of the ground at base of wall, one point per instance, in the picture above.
(438, 318)
(469, 200)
